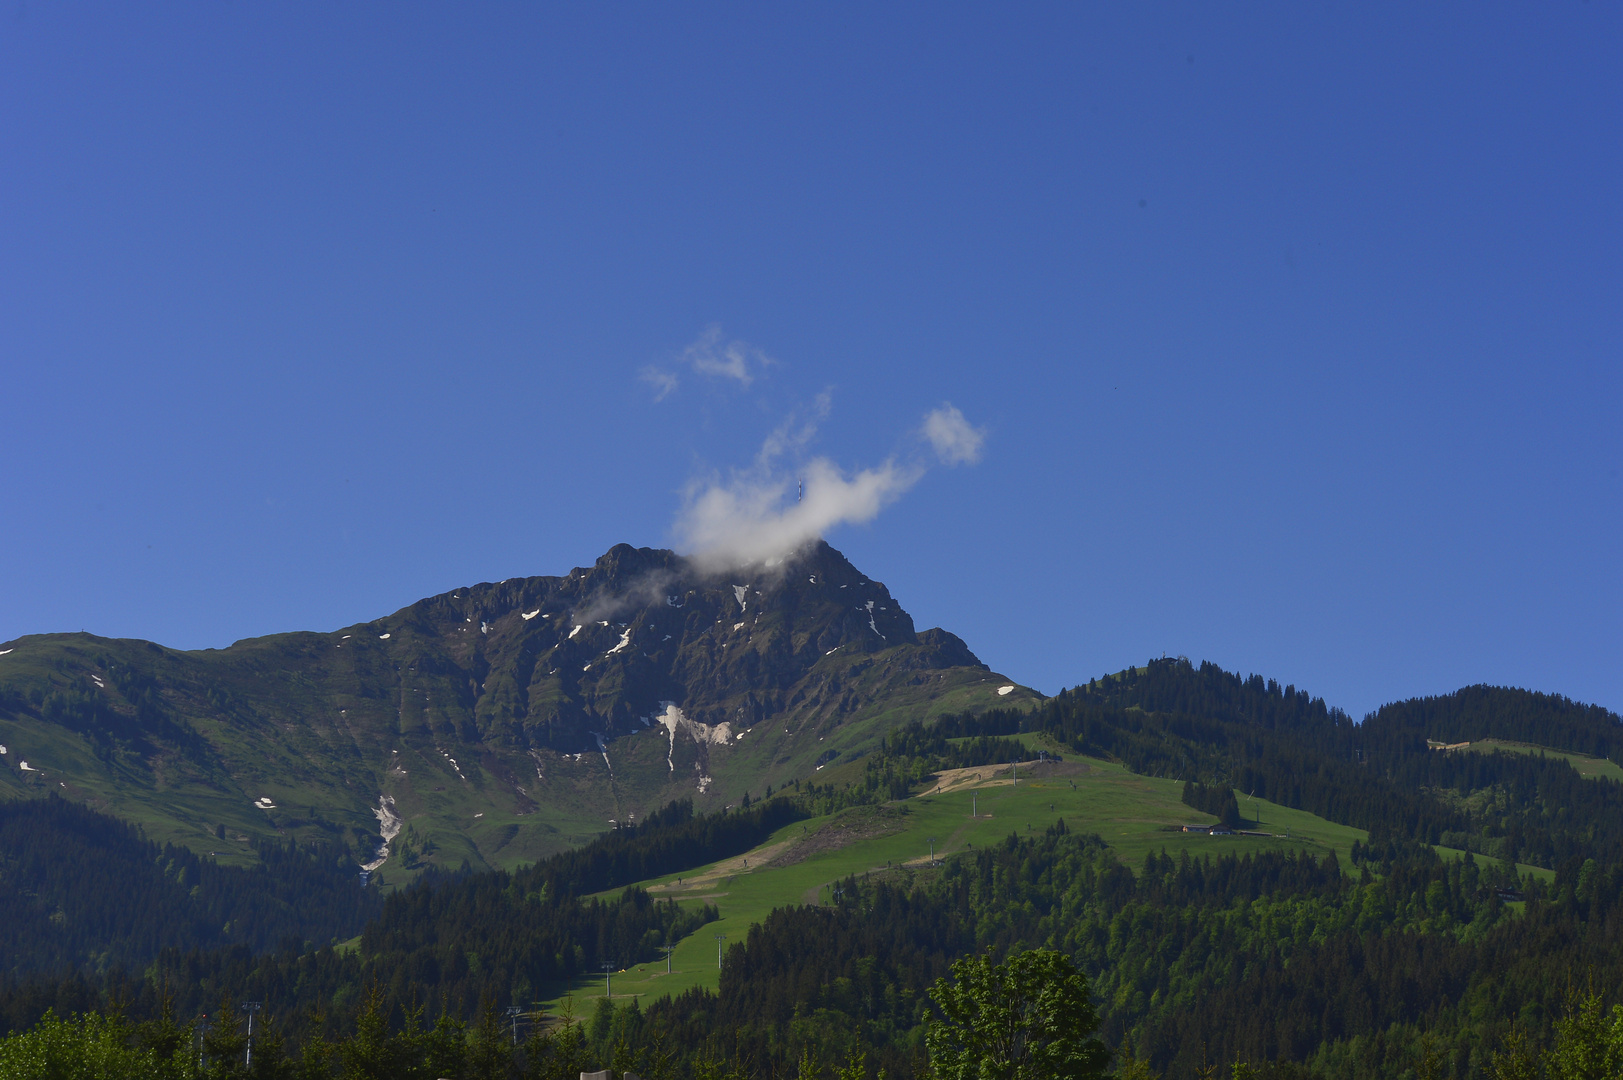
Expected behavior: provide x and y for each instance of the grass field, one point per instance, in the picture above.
(1593, 768)
(1134, 814)
(1521, 867)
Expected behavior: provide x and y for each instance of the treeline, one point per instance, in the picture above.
(82, 890)
(1491, 712)
(669, 840)
(515, 936)
(1215, 799)
(837, 982)
(1176, 720)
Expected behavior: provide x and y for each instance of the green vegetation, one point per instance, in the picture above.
(840, 812)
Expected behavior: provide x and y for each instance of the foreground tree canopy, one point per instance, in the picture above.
(1029, 1018)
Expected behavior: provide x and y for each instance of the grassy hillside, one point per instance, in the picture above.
(1135, 814)
(1591, 767)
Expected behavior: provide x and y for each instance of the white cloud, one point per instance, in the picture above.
(755, 517)
(955, 440)
(663, 382)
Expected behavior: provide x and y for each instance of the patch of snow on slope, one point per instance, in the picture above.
(528, 615)
(1002, 690)
(264, 803)
(389, 824)
(603, 748)
(625, 639)
(739, 593)
(575, 631)
(454, 765)
(871, 625)
(669, 720)
(383, 637)
(25, 767)
(4, 651)
(672, 720)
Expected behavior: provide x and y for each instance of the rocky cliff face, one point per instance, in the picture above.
(560, 663)
(500, 720)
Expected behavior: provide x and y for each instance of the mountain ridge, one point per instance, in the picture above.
(497, 721)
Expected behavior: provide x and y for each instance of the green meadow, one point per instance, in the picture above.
(1593, 768)
(1136, 815)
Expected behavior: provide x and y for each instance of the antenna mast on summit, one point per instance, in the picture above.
(800, 490)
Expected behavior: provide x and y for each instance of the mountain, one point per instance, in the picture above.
(492, 724)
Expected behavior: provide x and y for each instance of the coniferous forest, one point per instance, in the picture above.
(1395, 962)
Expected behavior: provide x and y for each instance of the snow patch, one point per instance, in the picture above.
(737, 626)
(871, 625)
(2, 748)
(389, 824)
(575, 631)
(484, 627)
(1002, 690)
(739, 593)
(528, 615)
(25, 767)
(672, 720)
(264, 803)
(4, 651)
(454, 765)
(625, 639)
(383, 637)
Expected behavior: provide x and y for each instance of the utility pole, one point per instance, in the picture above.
(719, 939)
(608, 974)
(974, 805)
(667, 950)
(932, 851)
(1015, 765)
(513, 1013)
(250, 1007)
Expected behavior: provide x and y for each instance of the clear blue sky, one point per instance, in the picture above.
(1293, 330)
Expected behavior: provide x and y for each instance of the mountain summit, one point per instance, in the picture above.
(495, 722)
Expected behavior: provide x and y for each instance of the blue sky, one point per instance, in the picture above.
(1293, 331)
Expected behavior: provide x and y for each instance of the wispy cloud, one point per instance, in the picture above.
(663, 382)
(955, 440)
(768, 511)
(710, 355)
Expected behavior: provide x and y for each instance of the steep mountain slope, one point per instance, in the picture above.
(494, 723)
